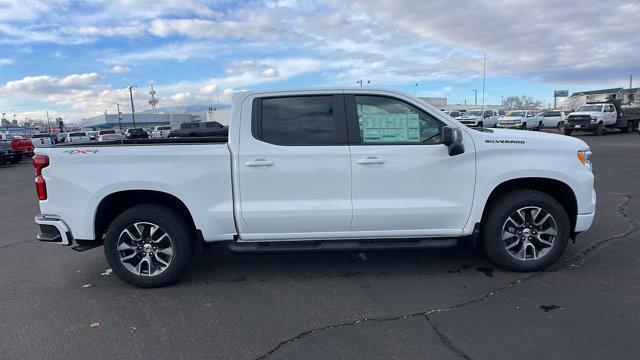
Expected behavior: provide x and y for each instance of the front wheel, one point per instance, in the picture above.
(16, 159)
(539, 128)
(480, 124)
(567, 131)
(599, 130)
(560, 125)
(524, 126)
(149, 245)
(525, 230)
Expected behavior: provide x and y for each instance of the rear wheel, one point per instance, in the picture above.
(599, 130)
(149, 245)
(629, 127)
(525, 230)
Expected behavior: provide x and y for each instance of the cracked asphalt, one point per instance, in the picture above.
(437, 304)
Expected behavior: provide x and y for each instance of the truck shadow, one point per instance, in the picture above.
(220, 265)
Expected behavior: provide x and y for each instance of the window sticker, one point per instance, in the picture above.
(390, 127)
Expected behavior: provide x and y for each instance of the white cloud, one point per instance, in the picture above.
(119, 69)
(5, 61)
(44, 84)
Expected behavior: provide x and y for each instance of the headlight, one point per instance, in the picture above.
(584, 156)
(594, 118)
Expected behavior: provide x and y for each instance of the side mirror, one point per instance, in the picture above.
(452, 138)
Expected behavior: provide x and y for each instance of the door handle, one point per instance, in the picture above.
(370, 160)
(259, 162)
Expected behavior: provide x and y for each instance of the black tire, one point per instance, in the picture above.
(560, 125)
(498, 213)
(599, 130)
(16, 159)
(524, 126)
(567, 131)
(173, 223)
(480, 124)
(539, 128)
(629, 127)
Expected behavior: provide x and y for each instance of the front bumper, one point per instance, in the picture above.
(582, 126)
(53, 230)
(509, 126)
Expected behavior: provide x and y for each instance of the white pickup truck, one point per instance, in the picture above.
(318, 169)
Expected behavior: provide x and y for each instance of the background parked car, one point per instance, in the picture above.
(42, 140)
(479, 118)
(161, 132)
(195, 129)
(552, 119)
(136, 133)
(22, 147)
(6, 152)
(78, 137)
(519, 119)
(61, 137)
(107, 135)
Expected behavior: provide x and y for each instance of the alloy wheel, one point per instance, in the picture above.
(145, 249)
(529, 233)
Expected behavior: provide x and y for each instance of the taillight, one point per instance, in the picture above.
(40, 162)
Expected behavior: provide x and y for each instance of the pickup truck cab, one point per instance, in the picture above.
(479, 118)
(519, 119)
(318, 169)
(591, 117)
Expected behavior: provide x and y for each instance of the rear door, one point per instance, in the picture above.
(294, 168)
(404, 181)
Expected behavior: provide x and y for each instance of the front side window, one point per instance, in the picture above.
(298, 120)
(384, 120)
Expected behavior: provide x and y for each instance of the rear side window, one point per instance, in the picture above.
(298, 120)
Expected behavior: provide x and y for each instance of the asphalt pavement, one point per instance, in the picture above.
(428, 304)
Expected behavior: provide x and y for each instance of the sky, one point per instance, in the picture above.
(73, 58)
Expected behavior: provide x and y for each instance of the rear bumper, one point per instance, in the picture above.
(53, 230)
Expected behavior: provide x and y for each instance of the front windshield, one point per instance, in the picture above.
(515, 113)
(474, 113)
(590, 108)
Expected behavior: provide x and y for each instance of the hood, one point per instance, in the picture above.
(508, 138)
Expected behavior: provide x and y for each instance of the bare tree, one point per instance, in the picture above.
(521, 102)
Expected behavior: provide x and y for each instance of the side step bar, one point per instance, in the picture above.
(340, 245)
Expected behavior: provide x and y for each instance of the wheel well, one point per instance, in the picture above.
(114, 204)
(556, 188)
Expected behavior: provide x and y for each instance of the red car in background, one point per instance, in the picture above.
(22, 147)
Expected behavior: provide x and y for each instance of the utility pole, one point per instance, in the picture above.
(475, 91)
(630, 86)
(119, 116)
(48, 125)
(484, 73)
(133, 109)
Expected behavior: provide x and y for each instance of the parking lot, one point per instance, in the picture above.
(441, 304)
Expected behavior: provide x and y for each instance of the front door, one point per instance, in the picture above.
(403, 177)
(294, 169)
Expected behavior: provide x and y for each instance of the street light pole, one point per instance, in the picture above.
(119, 116)
(133, 109)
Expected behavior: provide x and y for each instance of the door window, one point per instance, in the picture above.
(384, 120)
(298, 120)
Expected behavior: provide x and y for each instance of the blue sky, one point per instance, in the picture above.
(72, 58)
